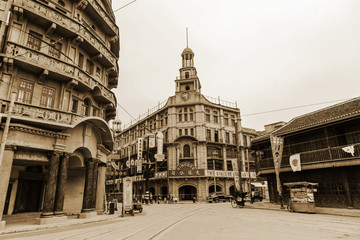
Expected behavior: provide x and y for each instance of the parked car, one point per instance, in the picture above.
(218, 196)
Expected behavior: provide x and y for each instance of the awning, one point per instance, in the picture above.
(256, 184)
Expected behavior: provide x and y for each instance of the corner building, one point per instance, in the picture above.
(59, 61)
(199, 137)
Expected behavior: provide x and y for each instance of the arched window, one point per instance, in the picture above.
(186, 150)
(187, 87)
(62, 3)
(86, 107)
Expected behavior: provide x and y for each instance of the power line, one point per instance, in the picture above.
(124, 6)
(289, 108)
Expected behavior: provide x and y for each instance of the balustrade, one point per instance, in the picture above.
(95, 5)
(42, 60)
(69, 24)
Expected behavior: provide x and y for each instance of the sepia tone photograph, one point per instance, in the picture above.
(179, 119)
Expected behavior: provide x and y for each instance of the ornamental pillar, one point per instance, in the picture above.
(88, 185)
(94, 185)
(50, 188)
(60, 189)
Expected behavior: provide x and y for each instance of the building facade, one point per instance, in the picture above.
(199, 144)
(59, 61)
(326, 145)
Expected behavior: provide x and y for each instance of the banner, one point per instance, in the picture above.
(277, 144)
(295, 162)
(349, 149)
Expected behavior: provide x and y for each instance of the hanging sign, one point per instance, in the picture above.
(140, 148)
(139, 165)
(295, 162)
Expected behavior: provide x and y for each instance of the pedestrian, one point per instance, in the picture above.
(151, 198)
(194, 199)
(158, 198)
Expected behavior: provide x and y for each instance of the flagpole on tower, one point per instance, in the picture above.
(187, 44)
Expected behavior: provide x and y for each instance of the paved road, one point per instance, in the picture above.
(207, 221)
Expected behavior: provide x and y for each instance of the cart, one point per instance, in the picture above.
(302, 196)
(138, 207)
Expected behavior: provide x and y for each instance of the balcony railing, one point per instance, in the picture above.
(317, 156)
(221, 102)
(104, 16)
(70, 24)
(40, 114)
(39, 59)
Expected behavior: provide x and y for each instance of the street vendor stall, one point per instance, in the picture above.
(302, 196)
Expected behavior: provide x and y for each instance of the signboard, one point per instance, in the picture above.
(151, 141)
(186, 169)
(127, 194)
(140, 148)
(160, 141)
(139, 165)
(113, 164)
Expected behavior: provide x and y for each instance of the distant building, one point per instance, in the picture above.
(60, 60)
(199, 136)
(325, 149)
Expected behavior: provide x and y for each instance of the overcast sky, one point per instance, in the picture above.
(265, 55)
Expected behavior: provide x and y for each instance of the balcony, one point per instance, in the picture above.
(45, 15)
(27, 112)
(57, 69)
(100, 15)
(326, 155)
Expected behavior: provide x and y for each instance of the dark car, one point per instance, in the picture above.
(256, 196)
(218, 196)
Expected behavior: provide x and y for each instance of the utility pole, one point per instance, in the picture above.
(214, 176)
(238, 154)
(7, 125)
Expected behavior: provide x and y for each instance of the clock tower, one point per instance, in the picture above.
(188, 83)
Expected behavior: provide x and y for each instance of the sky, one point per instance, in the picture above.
(264, 55)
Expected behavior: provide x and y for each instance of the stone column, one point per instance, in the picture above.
(5, 171)
(60, 189)
(88, 186)
(94, 185)
(100, 188)
(50, 188)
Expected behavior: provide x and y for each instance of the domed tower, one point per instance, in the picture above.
(188, 82)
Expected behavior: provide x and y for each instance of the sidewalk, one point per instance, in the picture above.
(26, 222)
(321, 210)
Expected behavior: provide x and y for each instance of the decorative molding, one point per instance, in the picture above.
(37, 131)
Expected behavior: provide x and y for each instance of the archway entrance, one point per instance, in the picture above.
(187, 192)
(163, 191)
(231, 190)
(218, 189)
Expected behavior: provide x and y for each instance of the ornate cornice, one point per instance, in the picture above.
(37, 131)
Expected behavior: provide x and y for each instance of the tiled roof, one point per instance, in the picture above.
(340, 111)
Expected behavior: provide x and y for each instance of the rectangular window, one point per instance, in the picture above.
(98, 71)
(216, 119)
(191, 131)
(227, 137)
(191, 117)
(34, 40)
(216, 136)
(186, 131)
(47, 97)
(25, 91)
(226, 119)
(55, 49)
(81, 61)
(180, 132)
(208, 135)
(207, 115)
(180, 117)
(75, 104)
(185, 117)
(94, 112)
(234, 138)
(89, 66)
